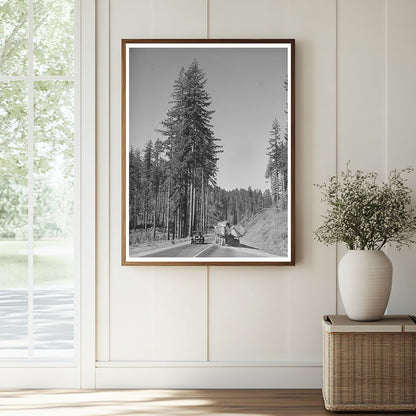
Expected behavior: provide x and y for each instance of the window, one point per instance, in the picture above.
(38, 185)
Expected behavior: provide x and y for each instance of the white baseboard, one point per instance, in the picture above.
(209, 377)
(169, 375)
(39, 378)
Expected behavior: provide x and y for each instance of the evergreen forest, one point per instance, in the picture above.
(172, 179)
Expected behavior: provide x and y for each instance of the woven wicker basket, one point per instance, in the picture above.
(369, 366)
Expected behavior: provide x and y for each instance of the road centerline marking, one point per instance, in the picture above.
(205, 249)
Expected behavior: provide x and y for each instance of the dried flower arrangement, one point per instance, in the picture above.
(366, 215)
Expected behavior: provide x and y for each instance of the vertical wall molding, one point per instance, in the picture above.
(88, 202)
(103, 179)
(336, 143)
(386, 69)
(387, 126)
(207, 19)
(208, 310)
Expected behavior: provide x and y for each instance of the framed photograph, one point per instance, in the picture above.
(208, 152)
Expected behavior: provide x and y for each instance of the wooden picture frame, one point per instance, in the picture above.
(208, 152)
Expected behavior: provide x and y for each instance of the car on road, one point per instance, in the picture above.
(197, 238)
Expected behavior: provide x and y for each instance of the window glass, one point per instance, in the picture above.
(53, 196)
(37, 181)
(13, 219)
(53, 37)
(13, 37)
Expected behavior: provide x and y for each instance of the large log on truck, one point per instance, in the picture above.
(226, 234)
(221, 231)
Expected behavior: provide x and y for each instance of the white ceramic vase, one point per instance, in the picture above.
(364, 278)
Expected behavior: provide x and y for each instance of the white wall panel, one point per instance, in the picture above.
(248, 19)
(180, 307)
(311, 283)
(159, 18)
(248, 314)
(145, 322)
(361, 89)
(355, 88)
(401, 143)
(179, 18)
(159, 316)
(361, 84)
(312, 24)
(131, 315)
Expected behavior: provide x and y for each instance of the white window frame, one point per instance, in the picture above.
(81, 371)
(87, 301)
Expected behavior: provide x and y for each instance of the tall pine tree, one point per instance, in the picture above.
(147, 182)
(192, 149)
(135, 186)
(277, 165)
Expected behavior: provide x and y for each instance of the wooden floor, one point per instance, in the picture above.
(164, 402)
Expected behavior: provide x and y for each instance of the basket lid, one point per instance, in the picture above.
(390, 323)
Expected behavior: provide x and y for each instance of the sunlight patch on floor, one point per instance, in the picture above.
(108, 403)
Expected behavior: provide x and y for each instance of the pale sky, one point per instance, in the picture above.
(246, 87)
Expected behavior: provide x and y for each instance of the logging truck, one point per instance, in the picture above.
(226, 234)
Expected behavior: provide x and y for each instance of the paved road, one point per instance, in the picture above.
(53, 323)
(208, 249)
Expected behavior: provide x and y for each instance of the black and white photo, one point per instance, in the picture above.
(208, 152)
